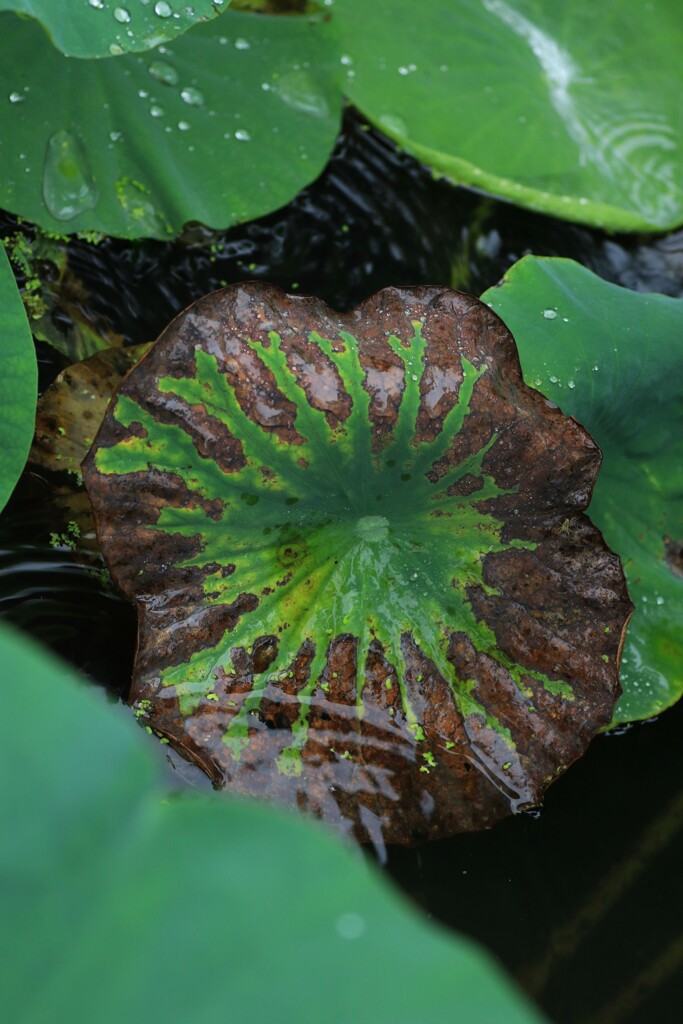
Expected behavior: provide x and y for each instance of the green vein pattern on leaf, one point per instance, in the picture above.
(362, 496)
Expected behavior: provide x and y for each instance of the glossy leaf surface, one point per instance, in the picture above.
(568, 108)
(18, 382)
(105, 28)
(364, 581)
(223, 126)
(613, 358)
(105, 884)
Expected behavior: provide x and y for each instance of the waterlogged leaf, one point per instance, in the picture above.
(71, 410)
(364, 580)
(104, 885)
(571, 109)
(223, 126)
(68, 416)
(614, 359)
(18, 382)
(104, 28)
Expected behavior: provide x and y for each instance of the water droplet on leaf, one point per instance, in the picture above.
(242, 44)
(550, 314)
(394, 124)
(162, 9)
(242, 135)
(68, 186)
(16, 97)
(163, 72)
(300, 91)
(122, 15)
(193, 97)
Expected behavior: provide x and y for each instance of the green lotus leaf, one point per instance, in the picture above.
(102, 28)
(364, 580)
(18, 383)
(571, 108)
(614, 359)
(224, 125)
(105, 883)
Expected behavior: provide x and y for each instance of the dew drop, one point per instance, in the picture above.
(394, 124)
(115, 136)
(163, 72)
(162, 9)
(115, 50)
(553, 380)
(242, 44)
(122, 15)
(300, 91)
(242, 135)
(183, 125)
(571, 384)
(193, 97)
(68, 186)
(97, 4)
(16, 97)
(350, 926)
(156, 111)
(550, 314)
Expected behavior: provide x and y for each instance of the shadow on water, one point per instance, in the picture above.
(581, 900)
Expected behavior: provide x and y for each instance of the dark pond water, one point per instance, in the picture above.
(582, 901)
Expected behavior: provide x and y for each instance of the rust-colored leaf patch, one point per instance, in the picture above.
(365, 582)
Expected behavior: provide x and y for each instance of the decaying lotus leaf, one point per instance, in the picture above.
(68, 416)
(364, 579)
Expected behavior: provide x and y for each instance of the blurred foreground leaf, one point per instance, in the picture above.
(131, 907)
